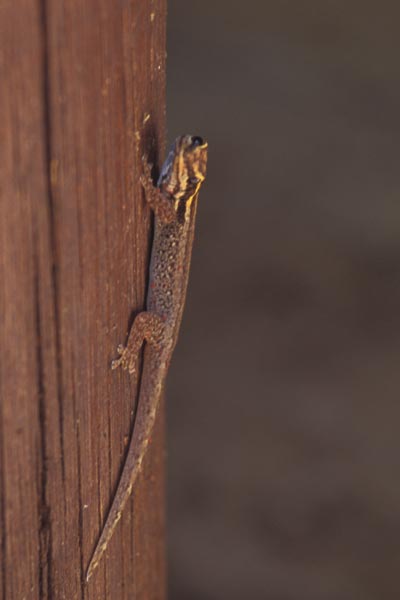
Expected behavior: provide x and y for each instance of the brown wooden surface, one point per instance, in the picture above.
(82, 97)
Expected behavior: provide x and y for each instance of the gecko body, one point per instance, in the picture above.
(174, 202)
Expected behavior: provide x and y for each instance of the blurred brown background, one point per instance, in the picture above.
(284, 413)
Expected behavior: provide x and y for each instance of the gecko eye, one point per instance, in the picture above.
(194, 180)
(197, 141)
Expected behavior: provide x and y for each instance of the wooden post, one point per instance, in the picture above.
(82, 98)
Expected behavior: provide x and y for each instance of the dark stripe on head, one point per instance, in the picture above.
(181, 211)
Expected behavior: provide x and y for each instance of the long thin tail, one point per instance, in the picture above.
(149, 398)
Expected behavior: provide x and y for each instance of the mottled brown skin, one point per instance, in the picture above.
(174, 202)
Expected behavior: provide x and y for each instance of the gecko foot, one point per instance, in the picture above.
(127, 360)
(115, 364)
(146, 179)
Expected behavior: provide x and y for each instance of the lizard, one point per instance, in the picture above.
(174, 203)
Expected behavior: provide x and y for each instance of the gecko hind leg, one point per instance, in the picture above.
(147, 327)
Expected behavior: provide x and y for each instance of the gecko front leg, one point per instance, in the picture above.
(161, 205)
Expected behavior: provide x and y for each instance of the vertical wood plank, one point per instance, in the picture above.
(85, 98)
(23, 206)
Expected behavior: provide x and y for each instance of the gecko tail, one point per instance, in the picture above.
(112, 520)
(128, 479)
(138, 445)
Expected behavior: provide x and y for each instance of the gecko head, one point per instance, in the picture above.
(184, 169)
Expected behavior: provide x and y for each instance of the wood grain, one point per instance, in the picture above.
(83, 97)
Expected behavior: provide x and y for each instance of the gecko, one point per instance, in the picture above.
(174, 203)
